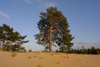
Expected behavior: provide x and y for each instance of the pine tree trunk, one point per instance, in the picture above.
(6, 47)
(50, 43)
(3, 46)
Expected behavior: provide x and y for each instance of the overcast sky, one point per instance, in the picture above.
(83, 17)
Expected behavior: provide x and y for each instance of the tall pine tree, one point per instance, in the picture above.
(53, 28)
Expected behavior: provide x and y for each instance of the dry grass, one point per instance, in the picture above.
(29, 57)
(41, 58)
(38, 52)
(52, 54)
(34, 56)
(66, 53)
(67, 56)
(58, 62)
(39, 66)
(14, 54)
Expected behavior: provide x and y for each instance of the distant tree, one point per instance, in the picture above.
(98, 51)
(29, 50)
(0, 45)
(8, 37)
(72, 51)
(93, 50)
(78, 51)
(63, 49)
(53, 28)
(83, 50)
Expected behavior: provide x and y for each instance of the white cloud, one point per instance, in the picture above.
(83, 43)
(4, 15)
(49, 4)
(86, 45)
(32, 1)
(97, 45)
(80, 44)
(27, 1)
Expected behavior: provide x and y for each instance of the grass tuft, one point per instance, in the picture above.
(29, 57)
(41, 58)
(67, 56)
(39, 66)
(14, 54)
(35, 56)
(58, 62)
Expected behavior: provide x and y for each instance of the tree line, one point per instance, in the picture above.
(91, 50)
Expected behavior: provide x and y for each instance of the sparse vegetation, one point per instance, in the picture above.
(67, 56)
(58, 62)
(29, 57)
(35, 56)
(14, 54)
(41, 58)
(39, 66)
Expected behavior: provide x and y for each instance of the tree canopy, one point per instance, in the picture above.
(8, 37)
(53, 27)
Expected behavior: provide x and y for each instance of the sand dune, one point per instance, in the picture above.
(14, 59)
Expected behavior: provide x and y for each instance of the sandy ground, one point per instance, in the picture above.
(14, 59)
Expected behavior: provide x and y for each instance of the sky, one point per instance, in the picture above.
(83, 17)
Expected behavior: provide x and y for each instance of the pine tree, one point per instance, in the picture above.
(53, 28)
(8, 37)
